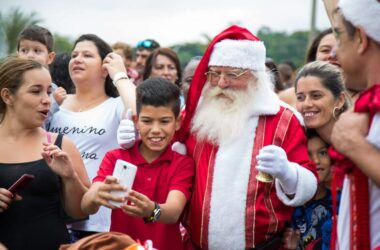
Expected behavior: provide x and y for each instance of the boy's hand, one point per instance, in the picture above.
(59, 95)
(141, 205)
(99, 192)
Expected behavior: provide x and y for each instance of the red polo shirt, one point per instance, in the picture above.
(171, 171)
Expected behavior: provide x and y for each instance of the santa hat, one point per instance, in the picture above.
(229, 48)
(245, 54)
(363, 13)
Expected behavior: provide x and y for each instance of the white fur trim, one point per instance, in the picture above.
(229, 190)
(305, 191)
(265, 101)
(363, 13)
(244, 54)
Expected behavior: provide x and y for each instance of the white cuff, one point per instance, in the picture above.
(305, 190)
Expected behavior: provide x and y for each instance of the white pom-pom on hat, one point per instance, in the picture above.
(244, 54)
(363, 13)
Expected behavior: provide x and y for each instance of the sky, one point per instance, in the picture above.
(168, 21)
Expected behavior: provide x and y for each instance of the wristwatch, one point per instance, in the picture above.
(155, 214)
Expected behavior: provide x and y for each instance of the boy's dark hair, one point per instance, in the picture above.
(103, 49)
(158, 92)
(38, 34)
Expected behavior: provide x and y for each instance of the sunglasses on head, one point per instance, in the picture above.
(147, 44)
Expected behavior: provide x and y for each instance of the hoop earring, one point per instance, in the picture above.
(334, 111)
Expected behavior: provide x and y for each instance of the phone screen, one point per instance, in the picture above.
(21, 182)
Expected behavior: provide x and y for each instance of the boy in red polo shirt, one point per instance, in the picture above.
(163, 181)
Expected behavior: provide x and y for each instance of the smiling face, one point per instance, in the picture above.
(317, 150)
(86, 63)
(157, 126)
(315, 102)
(31, 103)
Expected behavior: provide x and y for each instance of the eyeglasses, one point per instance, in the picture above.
(148, 44)
(228, 76)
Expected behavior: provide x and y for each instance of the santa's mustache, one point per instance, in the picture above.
(217, 91)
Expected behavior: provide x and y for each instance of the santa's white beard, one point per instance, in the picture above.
(222, 118)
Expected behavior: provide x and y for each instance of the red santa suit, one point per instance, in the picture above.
(230, 209)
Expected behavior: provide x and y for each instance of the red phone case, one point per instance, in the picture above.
(21, 182)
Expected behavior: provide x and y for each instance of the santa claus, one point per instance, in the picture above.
(234, 128)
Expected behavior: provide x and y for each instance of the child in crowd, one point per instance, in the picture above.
(312, 222)
(151, 210)
(36, 43)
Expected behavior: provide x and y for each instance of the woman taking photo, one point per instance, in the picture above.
(30, 219)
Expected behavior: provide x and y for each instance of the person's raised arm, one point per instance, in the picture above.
(67, 163)
(127, 89)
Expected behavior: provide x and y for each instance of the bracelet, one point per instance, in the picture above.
(118, 76)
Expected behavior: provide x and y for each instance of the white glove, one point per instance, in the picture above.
(273, 160)
(180, 148)
(126, 132)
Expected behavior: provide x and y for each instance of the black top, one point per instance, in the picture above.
(36, 221)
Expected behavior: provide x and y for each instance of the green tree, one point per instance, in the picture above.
(62, 43)
(12, 23)
(188, 50)
(282, 46)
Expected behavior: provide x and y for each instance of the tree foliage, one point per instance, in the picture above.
(62, 43)
(282, 46)
(188, 50)
(12, 23)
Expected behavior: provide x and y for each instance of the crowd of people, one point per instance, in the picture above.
(235, 151)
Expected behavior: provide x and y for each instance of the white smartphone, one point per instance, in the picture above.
(125, 172)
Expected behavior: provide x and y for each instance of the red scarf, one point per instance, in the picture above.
(368, 102)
